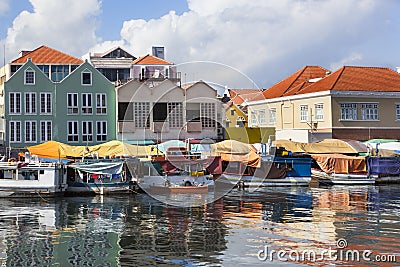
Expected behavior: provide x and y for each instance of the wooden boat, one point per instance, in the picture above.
(201, 189)
(339, 169)
(32, 179)
(274, 171)
(101, 177)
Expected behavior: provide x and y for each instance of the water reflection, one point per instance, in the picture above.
(141, 231)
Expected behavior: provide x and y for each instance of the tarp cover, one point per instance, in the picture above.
(232, 150)
(324, 146)
(57, 150)
(384, 165)
(107, 168)
(337, 163)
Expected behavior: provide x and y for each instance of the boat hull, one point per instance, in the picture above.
(252, 181)
(179, 189)
(75, 188)
(342, 179)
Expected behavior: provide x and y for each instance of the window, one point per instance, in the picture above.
(45, 131)
(72, 131)
(348, 111)
(141, 114)
(59, 72)
(261, 116)
(30, 103)
(272, 115)
(44, 69)
(160, 112)
(30, 131)
(254, 118)
(45, 103)
(101, 104)
(87, 103)
(319, 111)
(87, 131)
(101, 131)
(29, 77)
(398, 112)
(72, 103)
(86, 78)
(303, 112)
(175, 114)
(232, 112)
(207, 115)
(15, 132)
(369, 112)
(15, 103)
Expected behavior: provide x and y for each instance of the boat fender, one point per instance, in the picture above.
(188, 183)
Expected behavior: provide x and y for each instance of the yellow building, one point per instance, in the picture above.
(358, 103)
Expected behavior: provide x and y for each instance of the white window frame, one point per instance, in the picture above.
(304, 113)
(15, 132)
(87, 131)
(15, 106)
(86, 104)
(253, 118)
(26, 82)
(46, 107)
(100, 108)
(30, 103)
(319, 111)
(348, 111)
(73, 131)
(46, 131)
(397, 107)
(101, 131)
(262, 116)
(369, 111)
(91, 78)
(72, 109)
(30, 131)
(272, 116)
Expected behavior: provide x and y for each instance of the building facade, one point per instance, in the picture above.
(167, 111)
(80, 109)
(358, 103)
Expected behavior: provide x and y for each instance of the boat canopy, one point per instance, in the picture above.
(338, 163)
(324, 146)
(57, 150)
(232, 150)
(105, 168)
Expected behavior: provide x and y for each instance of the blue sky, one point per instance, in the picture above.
(234, 43)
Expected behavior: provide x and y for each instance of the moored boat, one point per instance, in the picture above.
(32, 179)
(384, 169)
(102, 177)
(200, 189)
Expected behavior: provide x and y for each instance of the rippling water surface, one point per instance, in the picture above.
(235, 230)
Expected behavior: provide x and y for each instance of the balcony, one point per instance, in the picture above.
(126, 126)
(192, 126)
(160, 127)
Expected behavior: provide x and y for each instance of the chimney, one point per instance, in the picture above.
(23, 53)
(158, 51)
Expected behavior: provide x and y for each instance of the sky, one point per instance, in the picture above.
(232, 43)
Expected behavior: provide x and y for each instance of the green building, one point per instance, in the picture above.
(79, 109)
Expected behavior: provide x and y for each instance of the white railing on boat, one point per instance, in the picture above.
(19, 164)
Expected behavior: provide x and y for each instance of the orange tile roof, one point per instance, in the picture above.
(299, 79)
(151, 60)
(353, 78)
(238, 96)
(45, 55)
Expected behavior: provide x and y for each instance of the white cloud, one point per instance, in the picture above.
(267, 40)
(4, 6)
(67, 25)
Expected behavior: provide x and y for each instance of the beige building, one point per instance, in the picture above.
(358, 103)
(168, 111)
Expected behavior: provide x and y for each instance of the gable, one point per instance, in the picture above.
(17, 79)
(117, 52)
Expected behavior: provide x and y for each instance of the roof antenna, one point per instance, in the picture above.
(4, 56)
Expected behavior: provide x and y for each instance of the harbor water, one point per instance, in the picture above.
(265, 227)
